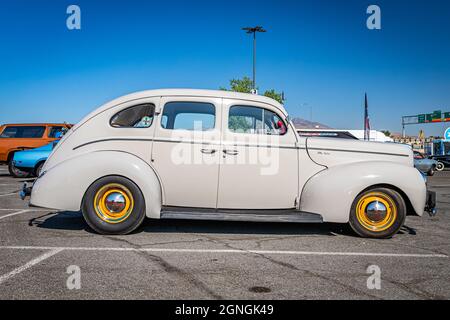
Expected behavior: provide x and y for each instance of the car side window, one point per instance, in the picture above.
(9, 132)
(140, 116)
(194, 116)
(54, 131)
(255, 120)
(23, 132)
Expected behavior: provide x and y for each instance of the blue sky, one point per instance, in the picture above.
(320, 53)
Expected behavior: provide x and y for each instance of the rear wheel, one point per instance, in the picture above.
(431, 172)
(378, 213)
(113, 205)
(440, 166)
(16, 173)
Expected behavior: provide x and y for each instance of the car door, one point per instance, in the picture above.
(259, 163)
(185, 151)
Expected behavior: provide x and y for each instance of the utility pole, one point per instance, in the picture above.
(254, 30)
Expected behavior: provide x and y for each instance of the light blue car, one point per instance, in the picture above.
(32, 160)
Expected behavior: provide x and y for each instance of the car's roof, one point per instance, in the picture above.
(182, 93)
(198, 93)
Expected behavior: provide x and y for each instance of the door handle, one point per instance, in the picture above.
(231, 152)
(208, 151)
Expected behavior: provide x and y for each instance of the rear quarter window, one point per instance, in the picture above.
(140, 116)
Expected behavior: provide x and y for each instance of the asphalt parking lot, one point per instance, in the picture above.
(213, 260)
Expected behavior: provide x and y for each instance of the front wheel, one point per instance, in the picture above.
(378, 213)
(440, 166)
(113, 205)
(430, 172)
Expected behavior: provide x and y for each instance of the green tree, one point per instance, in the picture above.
(274, 95)
(387, 133)
(245, 85)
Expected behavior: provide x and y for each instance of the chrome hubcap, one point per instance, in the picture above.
(376, 211)
(115, 202)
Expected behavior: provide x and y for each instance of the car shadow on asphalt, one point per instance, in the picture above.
(66, 220)
(242, 227)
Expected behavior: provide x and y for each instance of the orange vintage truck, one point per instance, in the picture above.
(17, 137)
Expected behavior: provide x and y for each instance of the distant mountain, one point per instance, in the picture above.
(300, 123)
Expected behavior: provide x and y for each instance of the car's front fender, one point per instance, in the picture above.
(63, 186)
(331, 192)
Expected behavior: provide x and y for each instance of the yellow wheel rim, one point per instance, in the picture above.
(376, 211)
(113, 203)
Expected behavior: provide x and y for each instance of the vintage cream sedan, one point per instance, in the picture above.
(218, 155)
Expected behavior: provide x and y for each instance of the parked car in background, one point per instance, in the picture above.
(326, 133)
(376, 136)
(441, 152)
(443, 161)
(424, 164)
(18, 137)
(220, 155)
(31, 161)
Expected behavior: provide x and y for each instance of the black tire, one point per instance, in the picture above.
(90, 211)
(38, 169)
(16, 173)
(430, 172)
(392, 226)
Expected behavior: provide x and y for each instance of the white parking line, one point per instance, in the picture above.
(277, 252)
(28, 265)
(32, 210)
(9, 194)
(21, 212)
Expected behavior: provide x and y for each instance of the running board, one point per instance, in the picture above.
(291, 215)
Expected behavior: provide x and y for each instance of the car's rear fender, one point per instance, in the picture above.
(63, 186)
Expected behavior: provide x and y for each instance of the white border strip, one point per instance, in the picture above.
(28, 265)
(276, 252)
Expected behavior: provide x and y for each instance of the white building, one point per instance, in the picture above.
(374, 135)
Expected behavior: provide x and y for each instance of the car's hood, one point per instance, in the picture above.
(331, 152)
(426, 161)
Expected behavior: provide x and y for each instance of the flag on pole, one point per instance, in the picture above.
(366, 119)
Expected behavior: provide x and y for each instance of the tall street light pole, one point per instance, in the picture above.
(254, 30)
